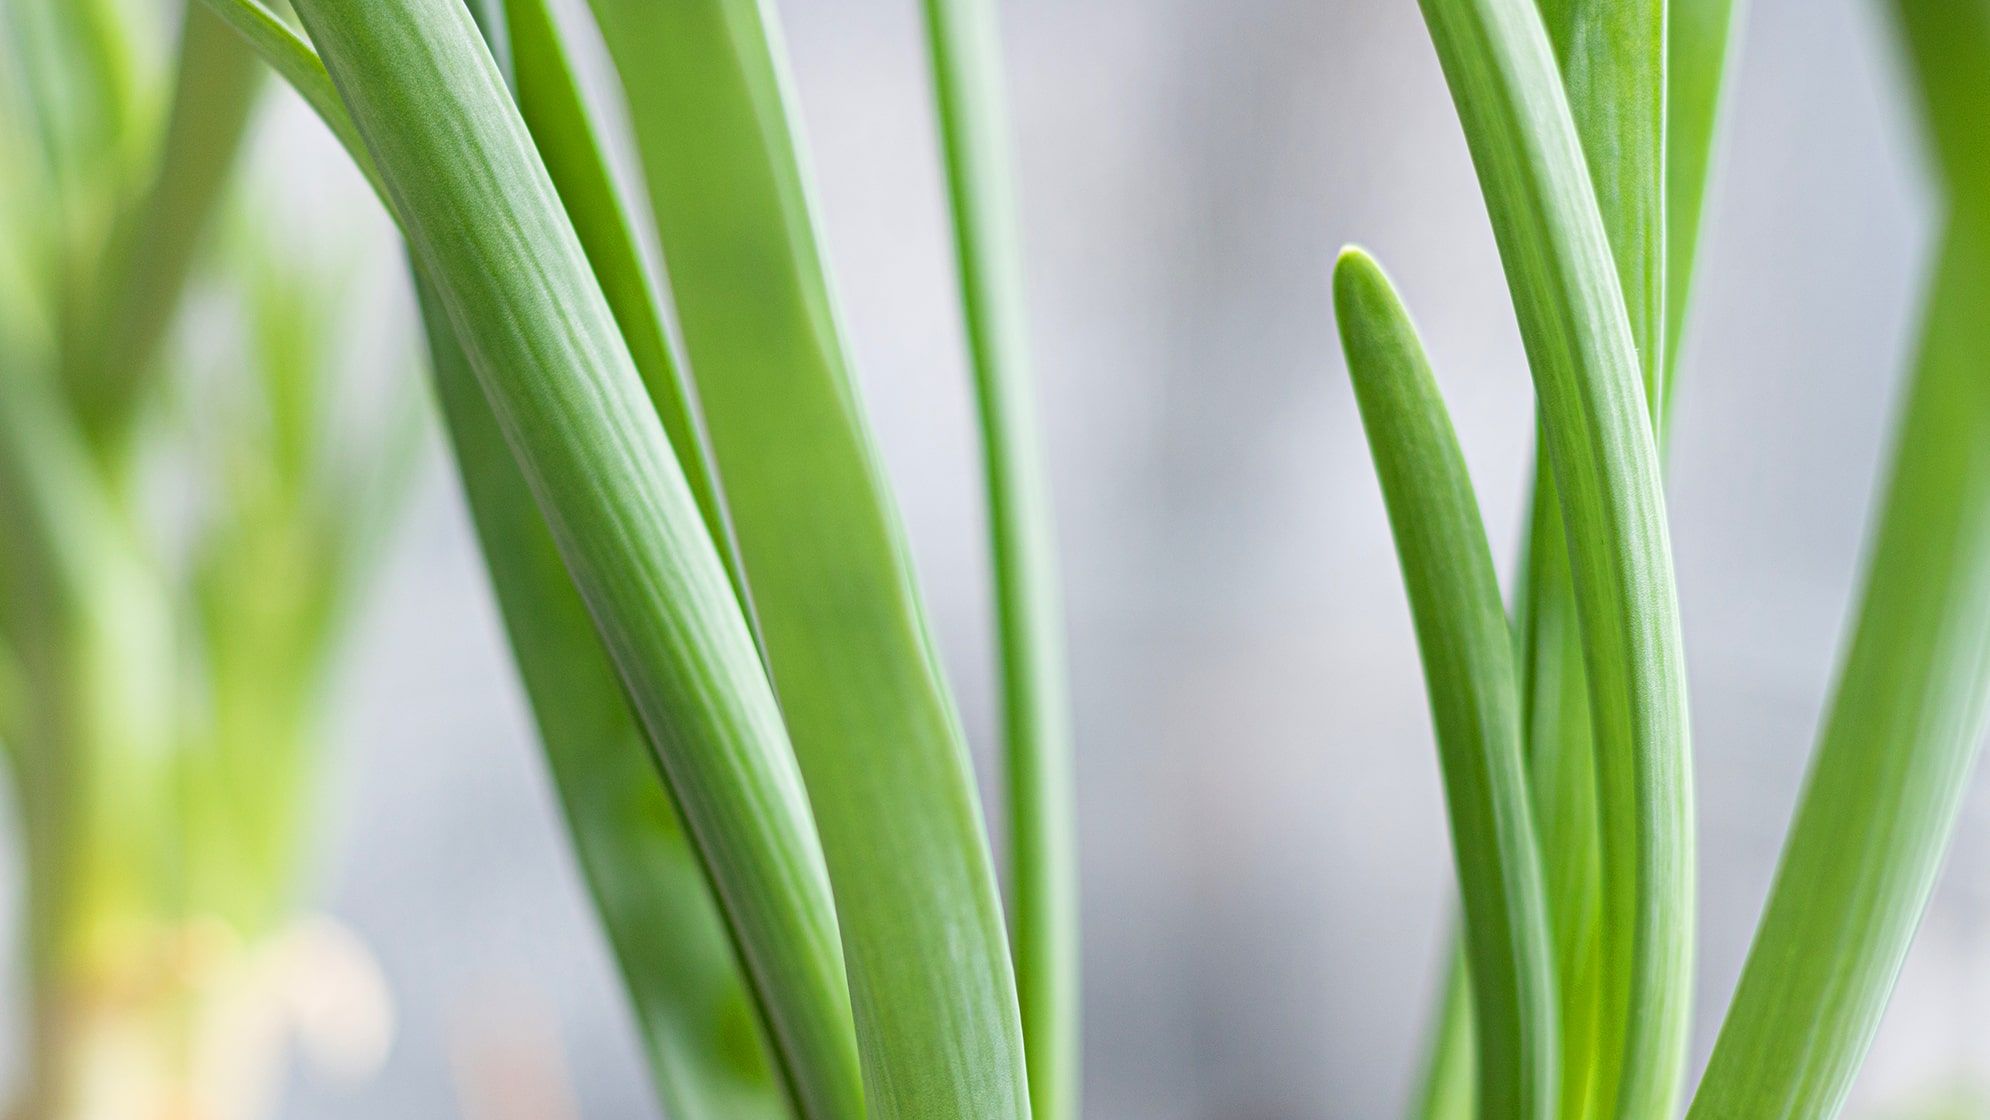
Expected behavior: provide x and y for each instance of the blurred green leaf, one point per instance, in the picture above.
(297, 63)
(1948, 42)
(845, 633)
(1905, 725)
(1447, 1091)
(116, 342)
(1891, 765)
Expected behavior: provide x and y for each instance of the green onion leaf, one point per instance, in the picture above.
(1909, 714)
(845, 633)
(1498, 60)
(1043, 863)
(1895, 754)
(297, 63)
(487, 226)
(667, 933)
(1468, 665)
(154, 248)
(1613, 61)
(1562, 771)
(564, 126)
(1447, 1092)
(1948, 42)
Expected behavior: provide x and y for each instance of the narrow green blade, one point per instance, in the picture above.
(298, 64)
(565, 128)
(1617, 91)
(1468, 665)
(1497, 58)
(964, 42)
(677, 961)
(1891, 765)
(701, 1031)
(1615, 87)
(1613, 61)
(1562, 771)
(696, 1019)
(487, 225)
(840, 617)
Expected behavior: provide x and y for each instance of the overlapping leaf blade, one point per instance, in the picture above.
(840, 617)
(486, 223)
(1613, 62)
(702, 1032)
(1612, 57)
(1580, 342)
(677, 962)
(567, 131)
(297, 63)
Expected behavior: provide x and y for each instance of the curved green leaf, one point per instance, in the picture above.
(1554, 704)
(297, 63)
(964, 42)
(1909, 713)
(1468, 664)
(845, 633)
(1603, 60)
(564, 127)
(1613, 61)
(669, 938)
(1891, 765)
(487, 225)
(1497, 58)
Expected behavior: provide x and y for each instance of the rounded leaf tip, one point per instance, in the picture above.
(1360, 285)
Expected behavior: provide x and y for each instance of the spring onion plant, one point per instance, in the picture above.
(643, 374)
(187, 524)
(698, 559)
(1562, 732)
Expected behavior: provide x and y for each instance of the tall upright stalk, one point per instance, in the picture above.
(1497, 57)
(845, 631)
(964, 43)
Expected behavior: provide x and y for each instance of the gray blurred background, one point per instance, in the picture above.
(1264, 855)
